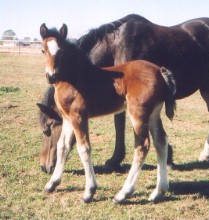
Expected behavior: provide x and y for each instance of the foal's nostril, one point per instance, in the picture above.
(51, 78)
(51, 169)
(43, 168)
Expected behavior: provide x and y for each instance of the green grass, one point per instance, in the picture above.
(9, 89)
(22, 181)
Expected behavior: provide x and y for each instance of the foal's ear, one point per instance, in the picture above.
(43, 30)
(45, 109)
(63, 31)
(50, 112)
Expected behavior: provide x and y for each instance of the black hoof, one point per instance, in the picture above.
(112, 166)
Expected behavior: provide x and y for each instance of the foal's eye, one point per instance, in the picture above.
(43, 51)
(47, 131)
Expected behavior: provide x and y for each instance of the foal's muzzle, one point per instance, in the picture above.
(51, 79)
(47, 170)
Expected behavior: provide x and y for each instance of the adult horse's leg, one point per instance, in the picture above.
(119, 151)
(161, 145)
(170, 157)
(63, 148)
(204, 155)
(142, 144)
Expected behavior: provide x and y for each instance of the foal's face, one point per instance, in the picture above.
(52, 50)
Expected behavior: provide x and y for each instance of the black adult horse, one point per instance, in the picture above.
(184, 49)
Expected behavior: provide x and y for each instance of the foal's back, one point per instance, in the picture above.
(140, 78)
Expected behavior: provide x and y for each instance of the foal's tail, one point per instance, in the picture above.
(170, 103)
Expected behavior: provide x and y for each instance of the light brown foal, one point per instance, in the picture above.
(83, 91)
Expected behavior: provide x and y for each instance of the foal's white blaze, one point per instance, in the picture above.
(53, 47)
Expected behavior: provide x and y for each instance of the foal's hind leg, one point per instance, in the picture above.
(204, 155)
(63, 148)
(161, 145)
(142, 144)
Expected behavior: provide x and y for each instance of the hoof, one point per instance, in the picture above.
(121, 197)
(87, 199)
(112, 166)
(203, 158)
(88, 196)
(117, 202)
(51, 187)
(156, 196)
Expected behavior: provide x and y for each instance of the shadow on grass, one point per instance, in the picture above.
(102, 169)
(190, 187)
(71, 189)
(199, 188)
(191, 166)
(146, 201)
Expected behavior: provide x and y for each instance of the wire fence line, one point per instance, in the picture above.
(20, 46)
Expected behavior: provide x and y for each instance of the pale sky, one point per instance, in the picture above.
(24, 17)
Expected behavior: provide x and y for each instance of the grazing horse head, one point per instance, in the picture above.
(51, 123)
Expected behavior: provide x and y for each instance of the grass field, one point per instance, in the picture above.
(22, 84)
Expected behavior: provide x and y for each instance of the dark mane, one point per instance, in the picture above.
(87, 41)
(48, 101)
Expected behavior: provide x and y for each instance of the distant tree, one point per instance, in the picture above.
(35, 39)
(27, 39)
(8, 35)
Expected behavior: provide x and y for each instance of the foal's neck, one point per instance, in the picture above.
(78, 66)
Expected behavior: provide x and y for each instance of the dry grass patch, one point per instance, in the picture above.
(22, 181)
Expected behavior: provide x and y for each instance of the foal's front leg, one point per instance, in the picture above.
(84, 150)
(63, 148)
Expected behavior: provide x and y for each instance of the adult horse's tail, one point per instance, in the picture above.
(170, 103)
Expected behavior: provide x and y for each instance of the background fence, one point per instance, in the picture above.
(20, 46)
